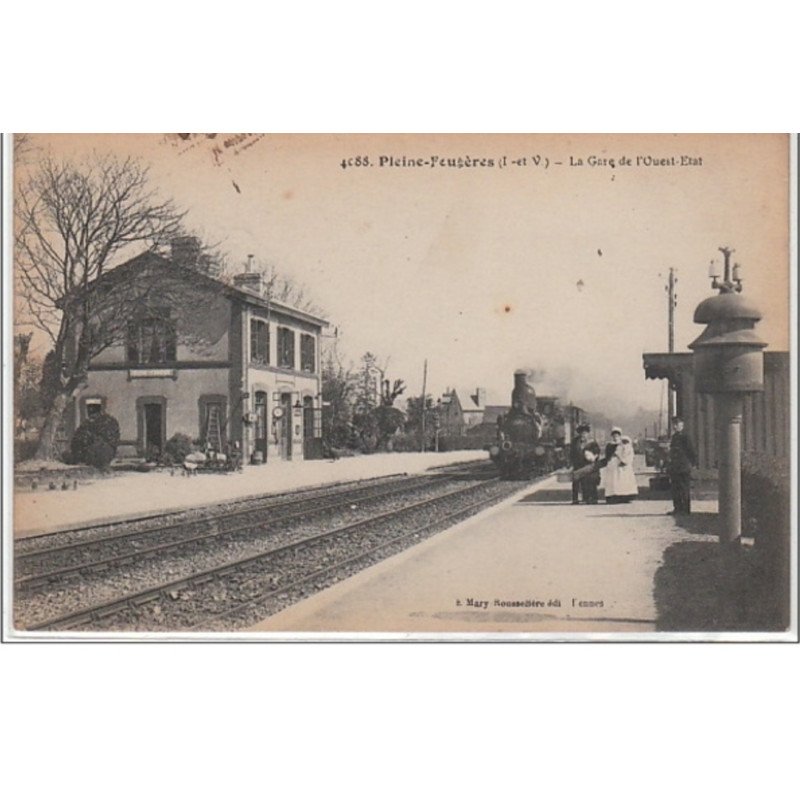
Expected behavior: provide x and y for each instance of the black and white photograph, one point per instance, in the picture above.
(401, 387)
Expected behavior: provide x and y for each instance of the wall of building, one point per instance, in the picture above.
(766, 422)
(181, 394)
(202, 334)
(274, 385)
(276, 382)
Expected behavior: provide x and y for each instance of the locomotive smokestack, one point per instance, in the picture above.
(523, 397)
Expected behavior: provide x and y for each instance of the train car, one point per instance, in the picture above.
(573, 416)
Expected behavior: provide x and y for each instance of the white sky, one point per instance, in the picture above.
(415, 263)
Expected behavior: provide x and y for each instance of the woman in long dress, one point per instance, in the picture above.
(619, 480)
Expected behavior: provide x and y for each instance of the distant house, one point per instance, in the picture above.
(458, 415)
(227, 364)
(473, 408)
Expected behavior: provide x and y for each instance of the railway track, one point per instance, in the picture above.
(209, 581)
(48, 564)
(162, 520)
(257, 605)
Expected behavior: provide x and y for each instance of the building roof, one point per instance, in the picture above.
(668, 366)
(467, 401)
(658, 366)
(151, 259)
(469, 404)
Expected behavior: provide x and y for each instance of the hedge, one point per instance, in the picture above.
(766, 516)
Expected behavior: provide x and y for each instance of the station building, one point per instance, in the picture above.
(766, 420)
(225, 365)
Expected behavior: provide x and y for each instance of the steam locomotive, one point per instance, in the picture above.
(533, 437)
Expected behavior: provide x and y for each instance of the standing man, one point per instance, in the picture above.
(584, 453)
(682, 457)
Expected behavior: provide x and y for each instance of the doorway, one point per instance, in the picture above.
(153, 428)
(308, 427)
(286, 426)
(260, 432)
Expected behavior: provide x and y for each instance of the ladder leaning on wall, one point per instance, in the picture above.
(213, 429)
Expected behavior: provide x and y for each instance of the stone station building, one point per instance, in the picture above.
(230, 366)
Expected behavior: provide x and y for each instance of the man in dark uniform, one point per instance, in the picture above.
(682, 457)
(584, 452)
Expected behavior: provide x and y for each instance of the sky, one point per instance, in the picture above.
(555, 264)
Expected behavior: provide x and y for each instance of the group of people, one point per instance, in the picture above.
(614, 470)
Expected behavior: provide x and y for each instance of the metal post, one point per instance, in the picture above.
(730, 468)
(424, 389)
(671, 346)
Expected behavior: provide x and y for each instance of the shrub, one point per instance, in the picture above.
(100, 454)
(24, 449)
(766, 512)
(178, 447)
(106, 428)
(448, 443)
(82, 440)
(102, 428)
(405, 443)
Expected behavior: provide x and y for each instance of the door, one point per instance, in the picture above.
(153, 429)
(309, 442)
(286, 425)
(260, 432)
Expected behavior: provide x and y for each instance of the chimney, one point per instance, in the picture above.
(252, 282)
(186, 251)
(480, 397)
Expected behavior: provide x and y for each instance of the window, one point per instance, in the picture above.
(94, 408)
(151, 340)
(307, 352)
(259, 341)
(286, 348)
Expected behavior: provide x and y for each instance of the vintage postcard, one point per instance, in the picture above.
(402, 387)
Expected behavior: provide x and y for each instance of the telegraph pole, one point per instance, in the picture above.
(424, 388)
(672, 301)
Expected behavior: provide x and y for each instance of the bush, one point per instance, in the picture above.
(103, 429)
(100, 454)
(106, 428)
(82, 440)
(405, 443)
(766, 513)
(24, 449)
(448, 443)
(177, 448)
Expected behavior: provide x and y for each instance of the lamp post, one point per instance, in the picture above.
(728, 364)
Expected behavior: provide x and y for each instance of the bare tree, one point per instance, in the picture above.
(283, 288)
(73, 221)
(23, 147)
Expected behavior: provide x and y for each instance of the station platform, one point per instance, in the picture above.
(534, 564)
(133, 494)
